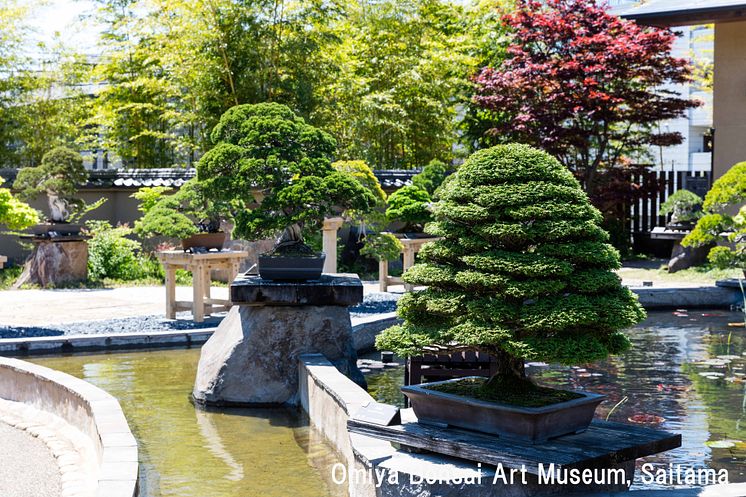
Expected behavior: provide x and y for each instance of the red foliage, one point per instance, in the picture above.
(583, 84)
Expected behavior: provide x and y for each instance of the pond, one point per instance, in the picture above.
(189, 452)
(684, 367)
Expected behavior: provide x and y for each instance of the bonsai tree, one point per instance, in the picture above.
(432, 176)
(725, 212)
(382, 247)
(373, 216)
(181, 215)
(59, 175)
(266, 154)
(523, 272)
(409, 204)
(14, 214)
(684, 207)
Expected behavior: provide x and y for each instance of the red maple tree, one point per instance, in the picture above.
(584, 85)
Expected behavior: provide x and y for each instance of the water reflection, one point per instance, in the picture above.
(187, 452)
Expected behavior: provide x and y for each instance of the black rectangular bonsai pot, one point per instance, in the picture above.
(291, 268)
(522, 424)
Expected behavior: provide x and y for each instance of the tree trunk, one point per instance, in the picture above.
(510, 375)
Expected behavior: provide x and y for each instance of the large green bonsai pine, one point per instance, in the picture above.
(265, 153)
(523, 271)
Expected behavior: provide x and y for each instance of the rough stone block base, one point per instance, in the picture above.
(252, 358)
(55, 262)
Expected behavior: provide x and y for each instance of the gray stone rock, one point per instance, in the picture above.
(331, 289)
(54, 262)
(686, 257)
(252, 358)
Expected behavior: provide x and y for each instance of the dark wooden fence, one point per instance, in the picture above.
(643, 214)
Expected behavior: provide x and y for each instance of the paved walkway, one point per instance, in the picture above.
(48, 307)
(27, 466)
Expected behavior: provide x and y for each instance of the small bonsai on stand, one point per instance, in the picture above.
(275, 171)
(685, 208)
(727, 194)
(409, 205)
(189, 215)
(59, 175)
(523, 272)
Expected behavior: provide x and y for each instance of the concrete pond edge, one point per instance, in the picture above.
(89, 409)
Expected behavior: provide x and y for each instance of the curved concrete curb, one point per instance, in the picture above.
(87, 408)
(687, 297)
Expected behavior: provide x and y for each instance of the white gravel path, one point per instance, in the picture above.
(27, 466)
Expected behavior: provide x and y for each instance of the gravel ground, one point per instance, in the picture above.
(27, 467)
(373, 303)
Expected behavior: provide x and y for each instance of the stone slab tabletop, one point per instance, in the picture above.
(330, 289)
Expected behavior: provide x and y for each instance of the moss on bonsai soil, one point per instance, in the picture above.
(521, 393)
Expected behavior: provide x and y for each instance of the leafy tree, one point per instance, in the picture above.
(382, 246)
(111, 254)
(59, 175)
(270, 151)
(727, 194)
(584, 85)
(409, 205)
(14, 214)
(523, 271)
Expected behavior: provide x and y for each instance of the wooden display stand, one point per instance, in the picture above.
(3, 260)
(411, 247)
(201, 265)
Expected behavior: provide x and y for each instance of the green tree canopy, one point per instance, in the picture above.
(14, 214)
(523, 271)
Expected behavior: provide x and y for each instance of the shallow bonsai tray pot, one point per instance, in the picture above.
(523, 424)
(291, 268)
(62, 229)
(208, 241)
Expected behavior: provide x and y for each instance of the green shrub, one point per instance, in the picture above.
(727, 193)
(410, 205)
(14, 214)
(684, 206)
(523, 272)
(111, 254)
(382, 247)
(432, 176)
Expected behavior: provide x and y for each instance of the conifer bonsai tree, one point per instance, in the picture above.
(684, 206)
(59, 175)
(265, 154)
(523, 272)
(410, 205)
(724, 212)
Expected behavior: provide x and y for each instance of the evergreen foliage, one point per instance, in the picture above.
(683, 206)
(409, 204)
(432, 176)
(382, 247)
(523, 272)
(59, 175)
(727, 194)
(267, 148)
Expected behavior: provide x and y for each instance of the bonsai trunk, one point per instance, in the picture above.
(58, 208)
(511, 372)
(292, 235)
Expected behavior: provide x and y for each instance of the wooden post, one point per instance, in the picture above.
(3, 260)
(170, 291)
(329, 242)
(383, 275)
(198, 293)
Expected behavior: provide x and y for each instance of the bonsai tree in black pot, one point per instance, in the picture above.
(59, 175)
(523, 272)
(189, 215)
(275, 171)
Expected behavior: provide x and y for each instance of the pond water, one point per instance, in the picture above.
(685, 367)
(189, 452)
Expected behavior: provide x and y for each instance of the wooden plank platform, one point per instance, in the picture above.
(604, 443)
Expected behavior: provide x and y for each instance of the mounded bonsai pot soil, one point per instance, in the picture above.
(291, 268)
(523, 424)
(209, 241)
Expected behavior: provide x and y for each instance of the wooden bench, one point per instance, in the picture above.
(201, 266)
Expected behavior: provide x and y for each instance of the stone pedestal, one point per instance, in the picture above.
(54, 262)
(252, 358)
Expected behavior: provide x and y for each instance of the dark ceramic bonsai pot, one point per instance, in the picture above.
(208, 241)
(523, 424)
(292, 268)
